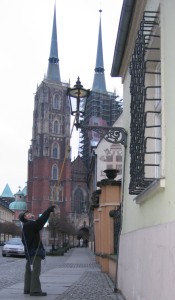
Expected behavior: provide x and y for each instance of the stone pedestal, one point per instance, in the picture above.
(109, 199)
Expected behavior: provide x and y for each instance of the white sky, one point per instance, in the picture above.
(25, 36)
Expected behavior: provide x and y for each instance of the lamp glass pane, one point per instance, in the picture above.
(82, 105)
(73, 104)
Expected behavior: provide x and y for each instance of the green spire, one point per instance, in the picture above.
(7, 193)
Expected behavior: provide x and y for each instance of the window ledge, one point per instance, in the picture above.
(156, 187)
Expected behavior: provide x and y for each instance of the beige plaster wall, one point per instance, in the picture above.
(147, 246)
(146, 268)
(158, 205)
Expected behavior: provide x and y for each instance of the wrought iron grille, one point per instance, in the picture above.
(117, 229)
(144, 103)
(116, 215)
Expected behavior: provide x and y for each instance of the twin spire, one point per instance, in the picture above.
(53, 71)
(99, 84)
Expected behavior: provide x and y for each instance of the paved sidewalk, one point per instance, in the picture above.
(78, 278)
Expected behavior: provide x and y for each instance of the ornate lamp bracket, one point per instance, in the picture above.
(114, 135)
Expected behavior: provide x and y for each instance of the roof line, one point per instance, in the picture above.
(124, 26)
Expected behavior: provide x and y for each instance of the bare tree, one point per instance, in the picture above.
(9, 229)
(59, 225)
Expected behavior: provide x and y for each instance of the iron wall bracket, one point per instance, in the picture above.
(114, 135)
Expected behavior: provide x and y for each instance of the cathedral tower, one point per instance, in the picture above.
(48, 157)
(101, 106)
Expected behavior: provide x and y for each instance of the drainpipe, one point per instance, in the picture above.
(122, 199)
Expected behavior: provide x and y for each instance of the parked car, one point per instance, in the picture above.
(13, 247)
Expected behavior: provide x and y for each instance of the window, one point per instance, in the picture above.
(54, 172)
(56, 127)
(56, 193)
(78, 203)
(55, 150)
(56, 102)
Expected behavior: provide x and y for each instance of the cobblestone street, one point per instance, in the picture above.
(12, 269)
(92, 284)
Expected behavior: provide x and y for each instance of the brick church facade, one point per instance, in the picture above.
(49, 162)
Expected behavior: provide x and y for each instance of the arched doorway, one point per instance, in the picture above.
(83, 233)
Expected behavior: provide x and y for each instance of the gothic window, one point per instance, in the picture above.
(56, 102)
(54, 172)
(42, 110)
(56, 127)
(55, 190)
(55, 150)
(78, 203)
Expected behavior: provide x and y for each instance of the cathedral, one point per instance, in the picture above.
(52, 177)
(49, 162)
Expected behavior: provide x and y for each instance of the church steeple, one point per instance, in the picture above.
(49, 165)
(99, 83)
(53, 71)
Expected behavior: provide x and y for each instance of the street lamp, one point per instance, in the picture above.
(78, 107)
(114, 135)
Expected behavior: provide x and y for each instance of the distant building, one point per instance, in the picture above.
(7, 195)
(19, 205)
(6, 214)
(11, 205)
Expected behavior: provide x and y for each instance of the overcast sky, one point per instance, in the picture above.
(25, 35)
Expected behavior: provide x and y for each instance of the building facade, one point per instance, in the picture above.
(6, 214)
(144, 58)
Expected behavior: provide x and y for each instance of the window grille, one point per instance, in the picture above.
(145, 126)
